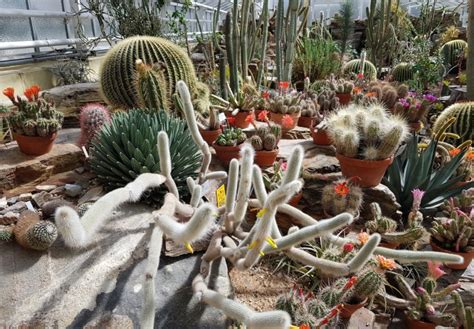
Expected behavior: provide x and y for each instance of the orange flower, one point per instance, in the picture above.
(284, 84)
(454, 152)
(470, 156)
(363, 237)
(305, 326)
(352, 281)
(385, 263)
(287, 121)
(265, 94)
(371, 94)
(342, 189)
(10, 93)
(263, 115)
(231, 121)
(250, 118)
(32, 93)
(357, 90)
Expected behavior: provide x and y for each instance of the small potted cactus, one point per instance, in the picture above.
(227, 145)
(309, 106)
(343, 90)
(262, 105)
(366, 138)
(341, 196)
(241, 107)
(265, 142)
(212, 130)
(414, 109)
(285, 109)
(34, 122)
(328, 103)
(454, 233)
(91, 120)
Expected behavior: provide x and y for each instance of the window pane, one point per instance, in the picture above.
(16, 4)
(14, 29)
(52, 5)
(49, 28)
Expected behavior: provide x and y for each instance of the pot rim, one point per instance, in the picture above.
(366, 163)
(53, 135)
(226, 147)
(451, 251)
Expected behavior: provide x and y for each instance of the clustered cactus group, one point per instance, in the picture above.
(34, 116)
(231, 137)
(341, 86)
(369, 133)
(266, 137)
(287, 103)
(342, 196)
(328, 101)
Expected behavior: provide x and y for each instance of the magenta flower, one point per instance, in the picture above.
(417, 196)
(430, 98)
(434, 270)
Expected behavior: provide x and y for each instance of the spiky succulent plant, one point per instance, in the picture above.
(454, 232)
(92, 118)
(231, 137)
(341, 196)
(126, 148)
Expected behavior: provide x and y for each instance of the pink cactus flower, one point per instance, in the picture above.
(435, 271)
(417, 196)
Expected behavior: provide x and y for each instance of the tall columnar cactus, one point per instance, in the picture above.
(452, 51)
(32, 233)
(118, 74)
(150, 87)
(341, 196)
(92, 118)
(353, 67)
(403, 72)
(464, 124)
(286, 31)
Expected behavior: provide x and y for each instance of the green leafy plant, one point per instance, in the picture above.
(414, 168)
(126, 148)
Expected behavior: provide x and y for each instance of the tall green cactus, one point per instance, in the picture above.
(464, 124)
(151, 94)
(118, 74)
(263, 50)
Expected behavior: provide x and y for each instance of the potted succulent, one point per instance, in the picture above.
(265, 142)
(34, 122)
(454, 233)
(366, 140)
(309, 106)
(285, 109)
(341, 196)
(212, 129)
(414, 109)
(328, 103)
(241, 107)
(343, 90)
(227, 145)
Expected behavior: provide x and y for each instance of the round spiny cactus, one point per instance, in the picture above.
(6, 233)
(464, 125)
(118, 74)
(368, 284)
(353, 67)
(288, 302)
(317, 308)
(92, 118)
(41, 235)
(82, 208)
(403, 72)
(452, 50)
(329, 296)
(256, 142)
(269, 142)
(127, 147)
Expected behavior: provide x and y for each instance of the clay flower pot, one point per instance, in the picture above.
(295, 200)
(305, 122)
(210, 136)
(278, 118)
(35, 145)
(348, 309)
(344, 99)
(418, 324)
(239, 119)
(390, 245)
(226, 153)
(320, 137)
(265, 158)
(468, 256)
(369, 172)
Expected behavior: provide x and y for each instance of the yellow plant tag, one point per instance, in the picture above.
(262, 212)
(220, 195)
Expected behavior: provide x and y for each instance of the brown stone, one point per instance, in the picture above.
(41, 198)
(25, 197)
(17, 207)
(50, 207)
(46, 188)
(111, 321)
(9, 218)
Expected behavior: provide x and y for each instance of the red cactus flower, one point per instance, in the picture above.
(342, 189)
(351, 282)
(360, 76)
(358, 90)
(284, 85)
(10, 93)
(304, 326)
(250, 118)
(287, 121)
(470, 156)
(32, 93)
(231, 121)
(348, 247)
(263, 116)
(454, 152)
(265, 94)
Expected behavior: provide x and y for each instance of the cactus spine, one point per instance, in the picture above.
(464, 124)
(92, 118)
(32, 233)
(341, 196)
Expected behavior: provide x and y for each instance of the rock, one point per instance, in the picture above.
(50, 207)
(9, 218)
(58, 190)
(385, 198)
(3, 203)
(17, 207)
(11, 201)
(467, 285)
(72, 190)
(92, 195)
(80, 170)
(362, 318)
(41, 198)
(46, 188)
(111, 321)
(198, 57)
(25, 197)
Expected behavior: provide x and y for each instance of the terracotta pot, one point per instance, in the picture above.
(468, 257)
(278, 117)
(415, 126)
(210, 136)
(305, 122)
(418, 324)
(295, 200)
(344, 99)
(390, 245)
(239, 119)
(226, 153)
(348, 309)
(35, 145)
(320, 137)
(265, 158)
(369, 172)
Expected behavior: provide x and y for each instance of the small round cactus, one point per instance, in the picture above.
(32, 233)
(317, 308)
(368, 284)
(329, 296)
(6, 233)
(92, 118)
(256, 142)
(288, 302)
